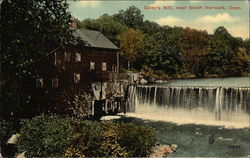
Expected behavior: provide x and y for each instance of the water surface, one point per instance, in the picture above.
(224, 102)
(214, 82)
(193, 140)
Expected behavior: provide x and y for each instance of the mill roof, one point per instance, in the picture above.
(93, 38)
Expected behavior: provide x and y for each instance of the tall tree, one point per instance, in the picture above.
(28, 29)
(132, 17)
(246, 44)
(221, 53)
(194, 45)
(149, 27)
(108, 25)
(130, 45)
(240, 62)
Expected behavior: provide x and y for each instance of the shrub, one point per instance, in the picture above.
(79, 106)
(110, 145)
(45, 136)
(94, 139)
(137, 140)
(87, 139)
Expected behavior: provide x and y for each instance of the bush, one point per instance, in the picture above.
(112, 136)
(79, 106)
(87, 140)
(45, 136)
(137, 140)
(94, 139)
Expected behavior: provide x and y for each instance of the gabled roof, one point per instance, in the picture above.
(93, 38)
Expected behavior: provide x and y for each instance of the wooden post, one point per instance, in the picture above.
(117, 62)
(101, 92)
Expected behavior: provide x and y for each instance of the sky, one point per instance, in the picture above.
(234, 16)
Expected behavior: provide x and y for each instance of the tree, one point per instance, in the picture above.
(131, 17)
(161, 47)
(194, 45)
(246, 44)
(150, 28)
(240, 62)
(106, 24)
(29, 30)
(221, 53)
(130, 45)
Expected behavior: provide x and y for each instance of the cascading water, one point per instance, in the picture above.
(228, 106)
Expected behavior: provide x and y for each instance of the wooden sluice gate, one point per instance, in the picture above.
(109, 107)
(110, 98)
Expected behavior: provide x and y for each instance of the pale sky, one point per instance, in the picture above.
(235, 20)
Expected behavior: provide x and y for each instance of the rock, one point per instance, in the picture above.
(163, 150)
(169, 150)
(143, 81)
(22, 155)
(13, 139)
(174, 147)
(157, 144)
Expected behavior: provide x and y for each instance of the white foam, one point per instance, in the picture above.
(107, 118)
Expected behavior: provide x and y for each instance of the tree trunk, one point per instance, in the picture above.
(128, 65)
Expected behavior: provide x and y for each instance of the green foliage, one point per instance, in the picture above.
(108, 25)
(194, 45)
(241, 62)
(78, 106)
(131, 17)
(150, 74)
(137, 140)
(246, 45)
(29, 30)
(111, 137)
(220, 56)
(94, 139)
(150, 28)
(87, 139)
(45, 136)
(168, 59)
(130, 45)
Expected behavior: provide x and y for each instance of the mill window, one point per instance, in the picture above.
(78, 57)
(67, 56)
(92, 65)
(39, 82)
(104, 66)
(55, 82)
(77, 77)
(57, 58)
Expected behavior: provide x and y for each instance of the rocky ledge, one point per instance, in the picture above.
(163, 150)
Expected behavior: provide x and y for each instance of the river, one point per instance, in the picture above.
(217, 101)
(192, 112)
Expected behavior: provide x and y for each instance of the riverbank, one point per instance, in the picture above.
(199, 140)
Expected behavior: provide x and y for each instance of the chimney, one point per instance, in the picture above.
(73, 23)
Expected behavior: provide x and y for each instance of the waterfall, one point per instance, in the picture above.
(228, 106)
